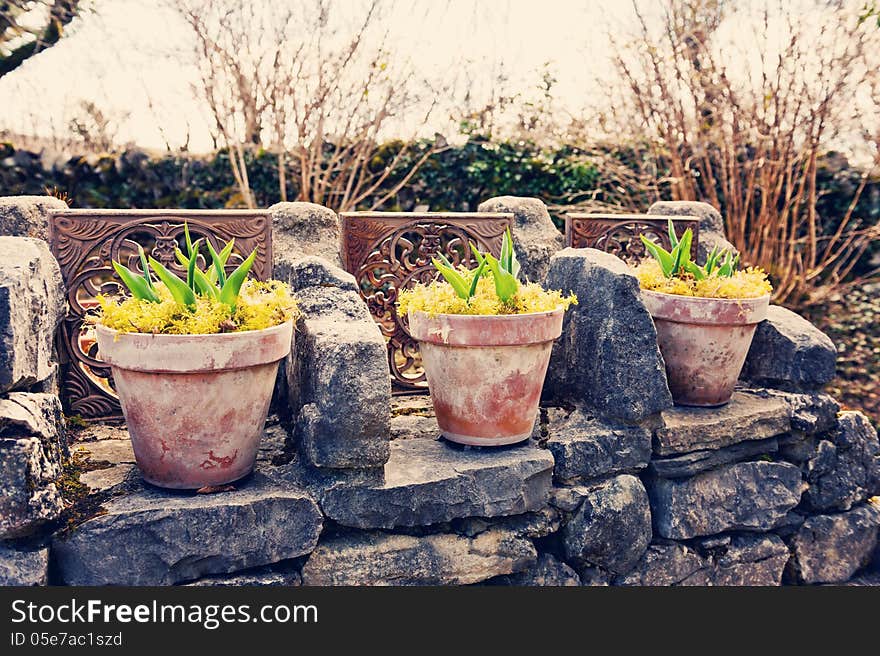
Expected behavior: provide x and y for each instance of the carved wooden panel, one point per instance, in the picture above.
(619, 233)
(85, 241)
(390, 251)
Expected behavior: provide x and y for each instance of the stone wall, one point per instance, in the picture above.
(617, 486)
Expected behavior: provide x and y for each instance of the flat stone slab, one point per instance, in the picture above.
(746, 417)
(380, 559)
(156, 537)
(695, 462)
(585, 447)
(430, 481)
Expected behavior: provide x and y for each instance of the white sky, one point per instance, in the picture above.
(127, 47)
(129, 54)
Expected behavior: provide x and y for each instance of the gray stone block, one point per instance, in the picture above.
(607, 357)
(32, 304)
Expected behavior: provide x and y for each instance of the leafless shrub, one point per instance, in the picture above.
(742, 123)
(312, 81)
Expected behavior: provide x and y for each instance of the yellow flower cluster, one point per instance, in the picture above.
(260, 305)
(440, 298)
(746, 283)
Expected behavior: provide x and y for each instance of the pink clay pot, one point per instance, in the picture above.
(195, 405)
(485, 373)
(704, 342)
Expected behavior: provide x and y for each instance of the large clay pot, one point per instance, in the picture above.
(485, 373)
(195, 405)
(704, 342)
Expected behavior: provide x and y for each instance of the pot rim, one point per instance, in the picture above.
(701, 310)
(543, 313)
(482, 330)
(695, 299)
(179, 354)
(277, 327)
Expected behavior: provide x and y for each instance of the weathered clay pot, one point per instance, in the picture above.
(704, 342)
(485, 373)
(195, 405)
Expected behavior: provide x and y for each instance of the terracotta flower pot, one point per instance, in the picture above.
(704, 342)
(485, 373)
(195, 405)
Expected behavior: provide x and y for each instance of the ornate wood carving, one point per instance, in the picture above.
(618, 233)
(85, 241)
(389, 251)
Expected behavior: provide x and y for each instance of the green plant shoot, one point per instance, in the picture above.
(214, 284)
(720, 263)
(504, 270)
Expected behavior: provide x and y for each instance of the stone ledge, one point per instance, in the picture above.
(154, 537)
(585, 447)
(746, 417)
(378, 559)
(429, 481)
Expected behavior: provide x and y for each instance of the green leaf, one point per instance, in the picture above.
(227, 250)
(673, 240)
(182, 259)
(189, 243)
(506, 284)
(476, 279)
(453, 277)
(477, 255)
(660, 254)
(695, 270)
(180, 291)
(231, 288)
(135, 283)
(190, 268)
(204, 285)
(506, 248)
(218, 264)
(684, 247)
(710, 260)
(144, 266)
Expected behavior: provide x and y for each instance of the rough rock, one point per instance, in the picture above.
(831, 548)
(750, 560)
(429, 481)
(31, 451)
(746, 417)
(312, 271)
(752, 496)
(612, 527)
(695, 462)
(23, 567)
(738, 560)
(31, 306)
(154, 537)
(585, 447)
(789, 353)
(667, 565)
(845, 468)
(547, 571)
(338, 387)
(538, 524)
(301, 229)
(810, 413)
(535, 238)
(282, 574)
(28, 216)
(607, 356)
(378, 558)
(711, 224)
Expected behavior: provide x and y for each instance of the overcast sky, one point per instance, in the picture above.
(129, 50)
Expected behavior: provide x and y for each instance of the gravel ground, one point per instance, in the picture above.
(853, 322)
